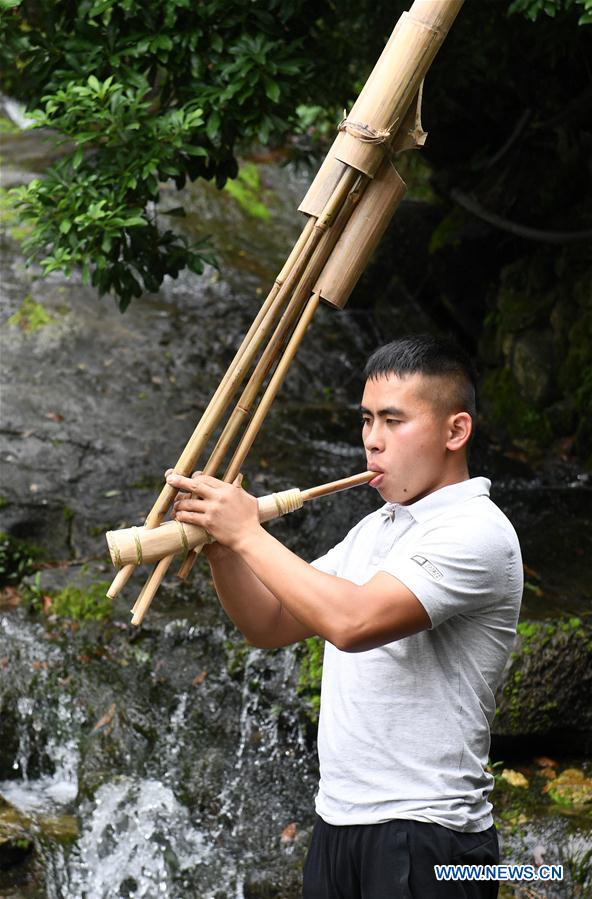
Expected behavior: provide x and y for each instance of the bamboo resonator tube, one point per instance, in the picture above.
(135, 546)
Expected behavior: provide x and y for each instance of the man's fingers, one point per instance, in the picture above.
(190, 517)
(189, 504)
(193, 485)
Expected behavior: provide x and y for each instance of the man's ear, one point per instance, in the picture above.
(460, 429)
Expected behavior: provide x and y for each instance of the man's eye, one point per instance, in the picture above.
(365, 421)
(393, 421)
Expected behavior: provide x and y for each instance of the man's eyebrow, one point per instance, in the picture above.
(382, 413)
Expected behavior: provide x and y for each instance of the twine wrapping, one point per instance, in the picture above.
(184, 540)
(114, 550)
(287, 501)
(365, 133)
(137, 541)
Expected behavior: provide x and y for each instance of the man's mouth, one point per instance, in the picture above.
(376, 482)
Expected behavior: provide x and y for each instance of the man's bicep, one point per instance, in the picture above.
(388, 611)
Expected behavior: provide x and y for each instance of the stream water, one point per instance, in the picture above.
(175, 761)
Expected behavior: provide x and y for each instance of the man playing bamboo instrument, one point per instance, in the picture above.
(418, 607)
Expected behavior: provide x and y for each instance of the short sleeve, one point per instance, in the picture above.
(327, 563)
(458, 568)
(333, 561)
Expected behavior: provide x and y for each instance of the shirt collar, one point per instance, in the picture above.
(434, 503)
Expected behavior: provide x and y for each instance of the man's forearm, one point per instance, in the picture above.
(321, 602)
(253, 608)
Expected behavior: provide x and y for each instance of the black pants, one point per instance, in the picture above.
(395, 860)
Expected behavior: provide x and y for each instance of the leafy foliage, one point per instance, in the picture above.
(82, 603)
(533, 8)
(92, 206)
(30, 316)
(17, 559)
(79, 603)
(144, 93)
(141, 94)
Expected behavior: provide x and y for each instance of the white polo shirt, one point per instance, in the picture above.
(404, 729)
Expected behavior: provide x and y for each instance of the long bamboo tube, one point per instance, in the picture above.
(148, 592)
(325, 233)
(247, 399)
(139, 545)
(262, 409)
(242, 361)
(244, 406)
(272, 389)
(228, 386)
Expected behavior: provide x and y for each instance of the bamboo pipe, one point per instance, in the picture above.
(326, 236)
(361, 236)
(188, 459)
(384, 100)
(138, 545)
(272, 389)
(148, 591)
(262, 409)
(336, 212)
(222, 397)
(318, 260)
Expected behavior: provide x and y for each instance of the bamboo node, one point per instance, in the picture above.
(366, 133)
(137, 541)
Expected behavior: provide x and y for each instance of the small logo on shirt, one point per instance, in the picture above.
(431, 569)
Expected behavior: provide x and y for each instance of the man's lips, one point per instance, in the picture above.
(375, 482)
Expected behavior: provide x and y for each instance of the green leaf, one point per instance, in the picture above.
(195, 151)
(213, 126)
(272, 89)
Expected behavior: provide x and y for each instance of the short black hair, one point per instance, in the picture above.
(432, 356)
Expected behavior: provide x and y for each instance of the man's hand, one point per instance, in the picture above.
(226, 511)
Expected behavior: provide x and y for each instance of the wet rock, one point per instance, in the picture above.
(533, 367)
(548, 686)
(16, 839)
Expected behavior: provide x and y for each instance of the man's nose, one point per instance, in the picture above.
(373, 438)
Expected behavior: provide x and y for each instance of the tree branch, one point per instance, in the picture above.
(558, 237)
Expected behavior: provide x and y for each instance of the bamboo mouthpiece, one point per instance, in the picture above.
(138, 546)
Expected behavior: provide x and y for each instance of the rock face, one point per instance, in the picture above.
(539, 338)
(547, 690)
(16, 839)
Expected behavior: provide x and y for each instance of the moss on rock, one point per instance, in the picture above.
(548, 686)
